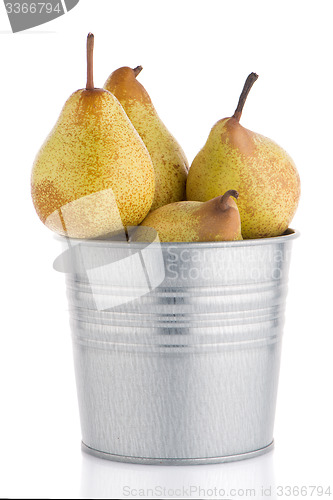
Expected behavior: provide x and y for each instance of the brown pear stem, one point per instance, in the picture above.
(137, 70)
(246, 89)
(90, 67)
(224, 205)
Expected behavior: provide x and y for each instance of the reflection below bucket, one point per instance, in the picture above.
(245, 479)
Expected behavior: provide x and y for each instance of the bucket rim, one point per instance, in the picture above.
(290, 234)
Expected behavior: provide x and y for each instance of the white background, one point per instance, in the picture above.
(196, 56)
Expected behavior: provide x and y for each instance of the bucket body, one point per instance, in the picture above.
(177, 347)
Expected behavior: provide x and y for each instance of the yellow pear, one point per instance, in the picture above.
(254, 165)
(168, 158)
(187, 221)
(93, 175)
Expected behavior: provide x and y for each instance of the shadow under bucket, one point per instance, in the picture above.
(177, 346)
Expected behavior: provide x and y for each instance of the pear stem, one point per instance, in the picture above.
(90, 52)
(224, 205)
(137, 70)
(246, 89)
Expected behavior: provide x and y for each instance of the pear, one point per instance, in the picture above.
(214, 220)
(93, 175)
(168, 158)
(254, 165)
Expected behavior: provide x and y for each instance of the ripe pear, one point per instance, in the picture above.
(214, 220)
(168, 158)
(93, 175)
(254, 165)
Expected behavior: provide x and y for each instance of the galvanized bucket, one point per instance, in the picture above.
(177, 346)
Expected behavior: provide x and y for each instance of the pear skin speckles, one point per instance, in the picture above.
(169, 160)
(259, 169)
(193, 221)
(87, 217)
(93, 147)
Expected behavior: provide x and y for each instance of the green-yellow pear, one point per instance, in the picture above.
(93, 175)
(168, 158)
(188, 221)
(256, 166)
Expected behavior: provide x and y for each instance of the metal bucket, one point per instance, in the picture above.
(177, 346)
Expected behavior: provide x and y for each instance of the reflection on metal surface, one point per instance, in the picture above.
(91, 266)
(187, 371)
